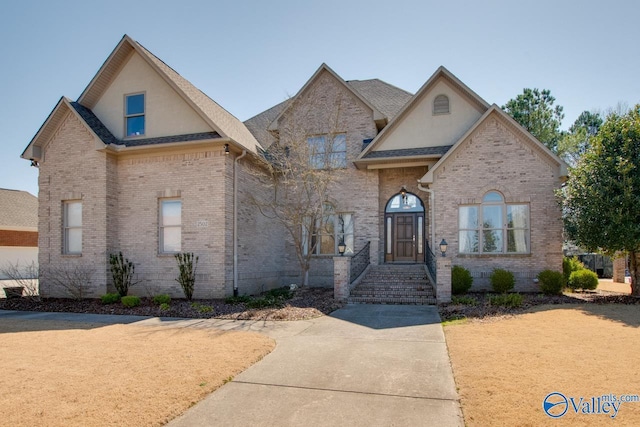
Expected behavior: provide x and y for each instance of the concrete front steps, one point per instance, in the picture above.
(394, 284)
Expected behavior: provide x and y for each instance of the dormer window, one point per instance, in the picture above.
(441, 105)
(134, 114)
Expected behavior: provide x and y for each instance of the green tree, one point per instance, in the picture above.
(535, 111)
(576, 142)
(601, 201)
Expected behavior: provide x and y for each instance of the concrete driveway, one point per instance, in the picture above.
(365, 365)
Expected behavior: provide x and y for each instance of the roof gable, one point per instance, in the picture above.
(217, 118)
(415, 125)
(378, 116)
(513, 126)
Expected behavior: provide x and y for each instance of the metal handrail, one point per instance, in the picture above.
(430, 260)
(359, 262)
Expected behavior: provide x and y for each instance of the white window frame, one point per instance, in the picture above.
(504, 228)
(128, 116)
(323, 155)
(68, 228)
(163, 227)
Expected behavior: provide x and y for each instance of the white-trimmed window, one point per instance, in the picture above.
(327, 233)
(328, 152)
(134, 115)
(441, 105)
(494, 226)
(170, 221)
(72, 227)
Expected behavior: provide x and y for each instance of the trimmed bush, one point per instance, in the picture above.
(583, 279)
(502, 281)
(551, 282)
(187, 264)
(162, 299)
(110, 298)
(164, 306)
(122, 271)
(507, 300)
(569, 265)
(461, 280)
(237, 300)
(130, 301)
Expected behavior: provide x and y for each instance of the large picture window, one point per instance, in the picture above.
(170, 226)
(494, 226)
(72, 228)
(134, 114)
(328, 152)
(328, 232)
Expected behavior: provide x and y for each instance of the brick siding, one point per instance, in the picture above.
(18, 238)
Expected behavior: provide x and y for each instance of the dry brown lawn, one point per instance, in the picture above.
(118, 375)
(505, 367)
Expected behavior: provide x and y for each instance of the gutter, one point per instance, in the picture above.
(235, 222)
(433, 213)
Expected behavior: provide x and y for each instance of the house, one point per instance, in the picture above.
(18, 229)
(145, 163)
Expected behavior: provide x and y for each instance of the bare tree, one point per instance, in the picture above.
(25, 277)
(73, 279)
(300, 169)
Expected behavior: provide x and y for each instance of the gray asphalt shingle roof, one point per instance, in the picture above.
(18, 209)
(408, 152)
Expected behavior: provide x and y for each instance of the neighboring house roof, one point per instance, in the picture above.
(497, 112)
(18, 210)
(223, 123)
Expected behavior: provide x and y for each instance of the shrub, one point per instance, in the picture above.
(75, 279)
(506, 300)
(110, 298)
(461, 280)
(130, 301)
(283, 293)
(25, 277)
(583, 279)
(162, 299)
(201, 308)
(187, 264)
(464, 300)
(122, 271)
(569, 265)
(551, 282)
(164, 306)
(502, 281)
(237, 300)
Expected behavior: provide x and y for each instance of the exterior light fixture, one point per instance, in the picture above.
(34, 163)
(342, 247)
(403, 193)
(226, 149)
(443, 247)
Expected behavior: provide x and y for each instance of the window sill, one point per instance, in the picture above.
(167, 254)
(508, 255)
(71, 255)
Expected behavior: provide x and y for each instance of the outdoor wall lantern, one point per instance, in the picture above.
(443, 247)
(342, 247)
(226, 149)
(403, 193)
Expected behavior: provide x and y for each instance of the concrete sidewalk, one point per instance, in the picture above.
(365, 365)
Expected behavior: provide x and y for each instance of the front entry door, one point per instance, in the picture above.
(405, 237)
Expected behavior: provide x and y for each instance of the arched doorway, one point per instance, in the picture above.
(404, 228)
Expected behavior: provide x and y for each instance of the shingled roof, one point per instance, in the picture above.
(388, 99)
(18, 210)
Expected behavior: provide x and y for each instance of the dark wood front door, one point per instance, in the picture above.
(405, 237)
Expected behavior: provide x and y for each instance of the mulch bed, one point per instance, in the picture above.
(484, 310)
(306, 303)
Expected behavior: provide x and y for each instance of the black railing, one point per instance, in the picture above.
(431, 262)
(359, 262)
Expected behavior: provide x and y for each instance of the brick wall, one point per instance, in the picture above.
(494, 157)
(18, 238)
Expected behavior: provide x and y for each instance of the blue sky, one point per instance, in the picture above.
(250, 55)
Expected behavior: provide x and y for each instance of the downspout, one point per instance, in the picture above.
(433, 213)
(235, 222)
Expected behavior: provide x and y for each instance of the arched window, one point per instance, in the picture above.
(441, 105)
(494, 226)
